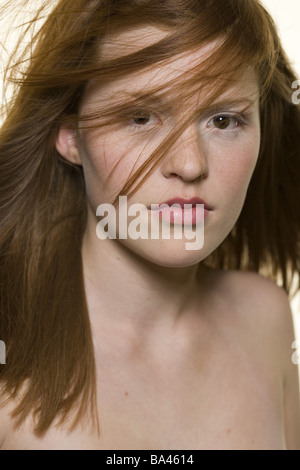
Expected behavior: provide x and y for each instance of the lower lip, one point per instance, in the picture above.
(180, 216)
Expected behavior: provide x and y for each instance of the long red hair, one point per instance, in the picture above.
(44, 319)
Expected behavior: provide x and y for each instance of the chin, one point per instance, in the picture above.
(167, 253)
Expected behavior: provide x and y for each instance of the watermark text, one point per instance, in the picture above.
(296, 94)
(185, 221)
(2, 353)
(296, 354)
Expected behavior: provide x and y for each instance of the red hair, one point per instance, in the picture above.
(44, 319)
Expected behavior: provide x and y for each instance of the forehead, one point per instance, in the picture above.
(133, 40)
(163, 74)
(130, 41)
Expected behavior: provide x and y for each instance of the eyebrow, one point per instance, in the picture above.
(228, 104)
(144, 98)
(152, 99)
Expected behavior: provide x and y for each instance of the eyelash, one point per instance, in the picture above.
(139, 115)
(239, 119)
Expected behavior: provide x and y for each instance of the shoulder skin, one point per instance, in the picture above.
(268, 315)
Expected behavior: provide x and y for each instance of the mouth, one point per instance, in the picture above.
(182, 211)
(182, 202)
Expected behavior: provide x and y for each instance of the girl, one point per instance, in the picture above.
(128, 342)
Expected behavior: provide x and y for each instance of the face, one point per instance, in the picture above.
(213, 159)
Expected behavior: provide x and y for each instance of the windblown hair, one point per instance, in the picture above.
(44, 321)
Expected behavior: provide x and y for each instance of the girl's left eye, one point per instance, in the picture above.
(224, 122)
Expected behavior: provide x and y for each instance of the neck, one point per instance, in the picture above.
(130, 297)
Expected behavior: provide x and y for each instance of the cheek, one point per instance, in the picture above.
(233, 169)
(106, 168)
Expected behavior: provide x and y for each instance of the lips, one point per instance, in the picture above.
(193, 201)
(191, 215)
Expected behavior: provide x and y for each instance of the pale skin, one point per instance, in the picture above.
(187, 357)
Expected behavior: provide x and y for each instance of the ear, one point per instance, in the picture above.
(66, 145)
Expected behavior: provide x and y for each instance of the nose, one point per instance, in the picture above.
(187, 158)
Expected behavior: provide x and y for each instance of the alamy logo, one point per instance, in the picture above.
(188, 218)
(2, 353)
(296, 94)
(296, 354)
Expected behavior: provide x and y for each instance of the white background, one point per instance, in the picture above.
(286, 14)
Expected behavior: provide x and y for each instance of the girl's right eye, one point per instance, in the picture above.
(141, 120)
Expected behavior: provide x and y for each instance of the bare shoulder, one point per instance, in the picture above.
(261, 310)
(257, 287)
(259, 313)
(258, 299)
(5, 410)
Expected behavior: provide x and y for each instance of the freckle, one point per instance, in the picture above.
(228, 431)
(126, 394)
